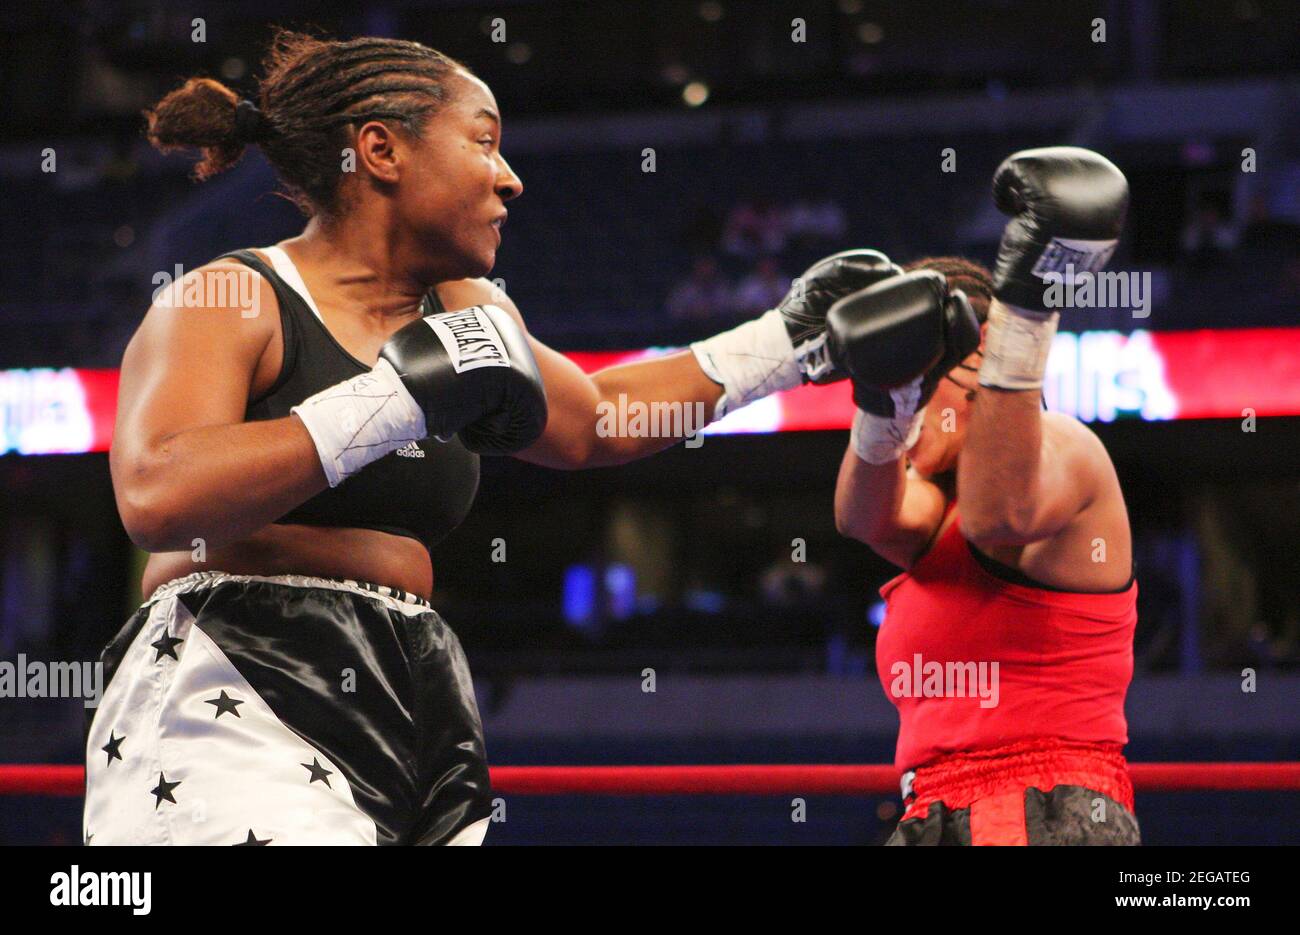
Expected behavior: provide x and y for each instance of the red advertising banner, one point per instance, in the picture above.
(1097, 376)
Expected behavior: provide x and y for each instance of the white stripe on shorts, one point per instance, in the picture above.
(192, 771)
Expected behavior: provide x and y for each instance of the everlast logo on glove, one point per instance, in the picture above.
(1071, 257)
(470, 338)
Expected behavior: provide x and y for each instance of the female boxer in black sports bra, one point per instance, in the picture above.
(298, 425)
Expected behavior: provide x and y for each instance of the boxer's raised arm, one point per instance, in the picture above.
(1024, 474)
(907, 332)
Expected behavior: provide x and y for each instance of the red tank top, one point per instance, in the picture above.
(1063, 659)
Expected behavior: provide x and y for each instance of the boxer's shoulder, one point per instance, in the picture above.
(462, 293)
(215, 320)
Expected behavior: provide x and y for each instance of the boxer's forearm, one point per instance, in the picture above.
(671, 394)
(869, 498)
(998, 476)
(621, 413)
(1025, 474)
(217, 483)
(883, 506)
(1017, 482)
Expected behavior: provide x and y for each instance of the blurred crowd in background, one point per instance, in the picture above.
(741, 256)
(649, 259)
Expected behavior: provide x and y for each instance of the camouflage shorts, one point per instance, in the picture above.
(1065, 815)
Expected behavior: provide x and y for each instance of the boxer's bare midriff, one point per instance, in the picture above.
(314, 551)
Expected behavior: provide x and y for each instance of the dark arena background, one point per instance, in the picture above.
(682, 161)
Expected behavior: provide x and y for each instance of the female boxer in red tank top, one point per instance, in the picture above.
(1007, 650)
(1007, 644)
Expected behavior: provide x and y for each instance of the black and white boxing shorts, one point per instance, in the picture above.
(285, 710)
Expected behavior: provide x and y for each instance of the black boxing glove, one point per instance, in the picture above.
(473, 373)
(897, 340)
(1067, 208)
(469, 372)
(786, 346)
(903, 329)
(804, 308)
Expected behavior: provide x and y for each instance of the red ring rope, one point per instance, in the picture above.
(796, 779)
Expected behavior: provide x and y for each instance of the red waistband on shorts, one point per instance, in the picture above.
(961, 779)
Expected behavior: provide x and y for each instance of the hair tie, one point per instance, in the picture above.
(251, 125)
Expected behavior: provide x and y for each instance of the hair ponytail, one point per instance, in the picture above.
(313, 92)
(201, 114)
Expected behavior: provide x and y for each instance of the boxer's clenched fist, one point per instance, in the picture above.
(896, 340)
(1067, 209)
(786, 346)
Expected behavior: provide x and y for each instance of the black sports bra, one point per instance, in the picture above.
(422, 491)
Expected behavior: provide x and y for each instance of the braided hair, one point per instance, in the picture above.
(312, 92)
(966, 275)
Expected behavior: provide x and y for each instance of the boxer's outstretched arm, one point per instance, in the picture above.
(574, 436)
(584, 428)
(592, 417)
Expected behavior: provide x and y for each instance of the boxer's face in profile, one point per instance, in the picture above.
(455, 183)
(947, 415)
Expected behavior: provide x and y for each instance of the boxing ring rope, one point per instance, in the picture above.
(746, 779)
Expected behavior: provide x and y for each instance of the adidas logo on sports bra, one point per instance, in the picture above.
(410, 450)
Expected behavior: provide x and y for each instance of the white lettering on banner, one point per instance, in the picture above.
(762, 415)
(44, 412)
(471, 340)
(1104, 375)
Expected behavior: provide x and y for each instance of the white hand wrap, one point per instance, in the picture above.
(1016, 348)
(361, 420)
(878, 440)
(751, 361)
